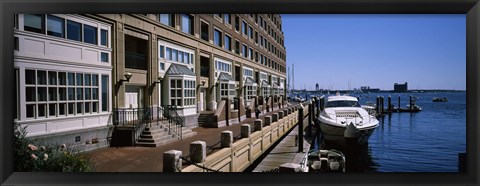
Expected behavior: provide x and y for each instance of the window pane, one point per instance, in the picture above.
(52, 78)
(33, 23)
(62, 78)
(52, 93)
(79, 108)
(95, 107)
(87, 79)
(204, 31)
(79, 79)
(55, 26)
(71, 79)
(30, 77)
(79, 93)
(52, 109)
(168, 53)
(87, 107)
(30, 94)
(162, 51)
(88, 94)
(103, 37)
(74, 30)
(62, 93)
(179, 83)
(71, 93)
(186, 58)
(95, 93)
(162, 66)
(105, 97)
(42, 109)
(180, 56)
(42, 93)
(104, 57)
(90, 34)
(61, 109)
(30, 111)
(187, 24)
(172, 93)
(41, 77)
(94, 80)
(217, 38)
(166, 19)
(71, 108)
(227, 42)
(174, 55)
(179, 93)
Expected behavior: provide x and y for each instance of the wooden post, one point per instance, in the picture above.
(398, 101)
(411, 106)
(300, 129)
(389, 103)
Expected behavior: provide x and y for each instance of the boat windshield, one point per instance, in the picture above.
(343, 103)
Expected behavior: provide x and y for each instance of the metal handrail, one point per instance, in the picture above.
(132, 117)
(175, 122)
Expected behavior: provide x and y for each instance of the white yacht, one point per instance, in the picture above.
(344, 120)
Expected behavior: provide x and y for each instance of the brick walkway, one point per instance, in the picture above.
(150, 159)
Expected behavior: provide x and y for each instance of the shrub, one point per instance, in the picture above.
(31, 158)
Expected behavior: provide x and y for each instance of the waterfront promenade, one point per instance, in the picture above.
(150, 159)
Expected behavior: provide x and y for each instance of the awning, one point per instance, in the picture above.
(249, 81)
(265, 84)
(177, 69)
(275, 85)
(225, 77)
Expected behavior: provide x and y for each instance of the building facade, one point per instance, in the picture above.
(397, 87)
(71, 69)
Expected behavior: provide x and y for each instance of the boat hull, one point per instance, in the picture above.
(335, 134)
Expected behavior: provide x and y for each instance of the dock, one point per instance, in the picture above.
(285, 152)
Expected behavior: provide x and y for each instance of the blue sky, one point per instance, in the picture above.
(338, 51)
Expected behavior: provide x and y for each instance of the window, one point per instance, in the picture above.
(222, 66)
(90, 34)
(187, 24)
(34, 23)
(103, 37)
(250, 32)
(55, 26)
(57, 98)
(256, 56)
(105, 98)
(189, 93)
(74, 30)
(245, 51)
(237, 23)
(204, 31)
(228, 41)
(226, 18)
(167, 19)
(237, 47)
(176, 92)
(224, 90)
(250, 92)
(256, 37)
(250, 53)
(104, 57)
(217, 38)
(162, 66)
(244, 28)
(162, 51)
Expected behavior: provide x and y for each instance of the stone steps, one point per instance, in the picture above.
(157, 135)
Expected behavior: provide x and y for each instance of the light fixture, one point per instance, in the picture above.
(217, 83)
(128, 75)
(159, 78)
(203, 82)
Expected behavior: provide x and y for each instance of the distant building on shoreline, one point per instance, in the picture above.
(366, 89)
(400, 87)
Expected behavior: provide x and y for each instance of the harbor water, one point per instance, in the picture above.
(427, 141)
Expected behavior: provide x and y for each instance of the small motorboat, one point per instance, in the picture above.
(326, 161)
(439, 99)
